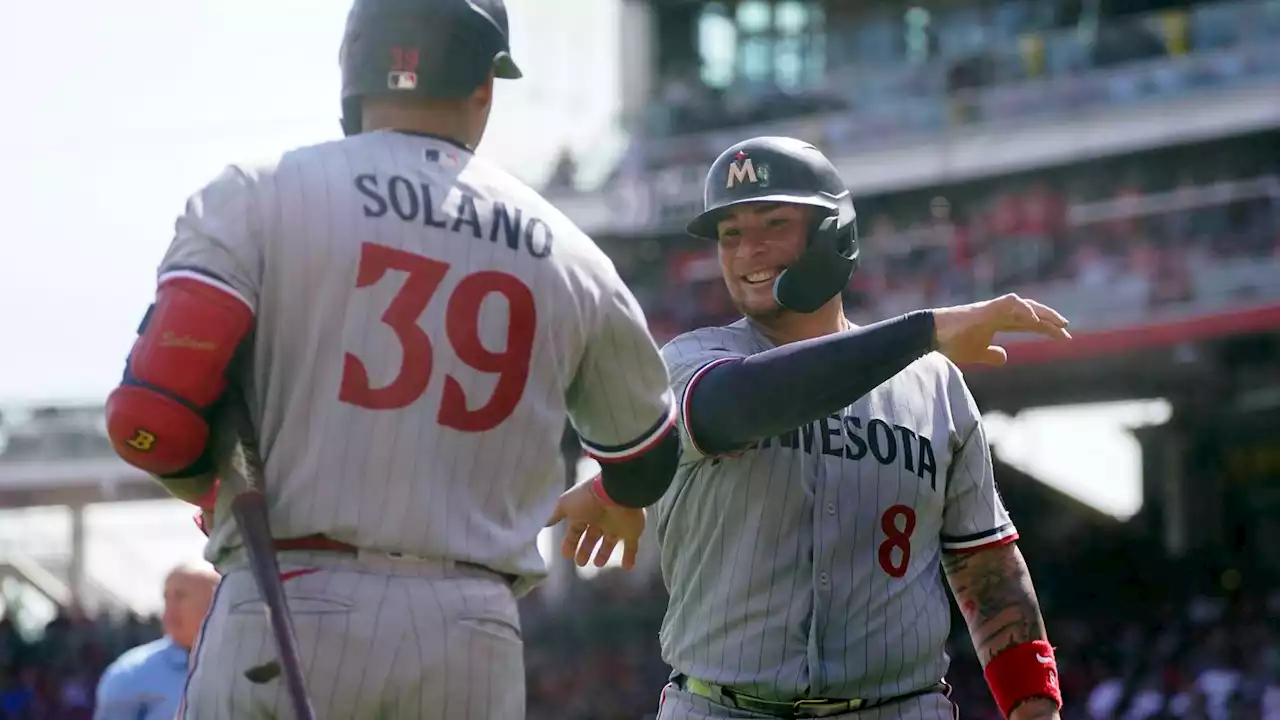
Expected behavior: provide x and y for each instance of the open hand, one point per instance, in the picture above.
(966, 333)
(596, 527)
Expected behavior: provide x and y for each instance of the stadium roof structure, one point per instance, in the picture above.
(60, 455)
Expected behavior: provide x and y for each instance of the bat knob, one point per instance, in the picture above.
(263, 673)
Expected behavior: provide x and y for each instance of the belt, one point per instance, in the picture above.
(315, 543)
(324, 543)
(807, 708)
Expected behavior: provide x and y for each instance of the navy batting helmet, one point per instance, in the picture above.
(441, 49)
(786, 170)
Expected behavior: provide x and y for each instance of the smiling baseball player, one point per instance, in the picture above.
(417, 325)
(827, 472)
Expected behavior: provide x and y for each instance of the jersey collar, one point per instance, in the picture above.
(433, 136)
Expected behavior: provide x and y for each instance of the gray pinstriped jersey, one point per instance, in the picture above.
(424, 324)
(809, 564)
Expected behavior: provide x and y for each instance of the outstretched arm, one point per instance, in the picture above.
(994, 591)
(734, 401)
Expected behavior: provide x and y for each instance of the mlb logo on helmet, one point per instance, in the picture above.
(402, 80)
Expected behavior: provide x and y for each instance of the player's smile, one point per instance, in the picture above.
(761, 277)
(755, 285)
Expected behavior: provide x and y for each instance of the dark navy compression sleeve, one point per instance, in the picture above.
(643, 479)
(738, 402)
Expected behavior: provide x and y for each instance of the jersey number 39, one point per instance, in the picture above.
(462, 327)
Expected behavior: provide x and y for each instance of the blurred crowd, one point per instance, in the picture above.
(53, 676)
(594, 655)
(907, 58)
(1134, 228)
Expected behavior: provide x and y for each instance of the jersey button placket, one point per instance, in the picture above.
(825, 539)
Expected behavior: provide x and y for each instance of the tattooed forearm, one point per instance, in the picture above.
(996, 597)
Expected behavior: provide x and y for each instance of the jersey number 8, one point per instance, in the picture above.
(896, 538)
(462, 327)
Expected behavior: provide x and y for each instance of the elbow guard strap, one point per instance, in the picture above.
(157, 417)
(1023, 672)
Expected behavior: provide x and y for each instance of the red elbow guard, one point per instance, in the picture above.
(1023, 672)
(153, 432)
(177, 369)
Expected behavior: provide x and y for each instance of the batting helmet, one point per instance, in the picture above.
(439, 49)
(786, 170)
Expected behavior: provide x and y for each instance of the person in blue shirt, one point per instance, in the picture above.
(146, 683)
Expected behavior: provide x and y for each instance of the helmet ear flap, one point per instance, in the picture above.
(823, 270)
(848, 242)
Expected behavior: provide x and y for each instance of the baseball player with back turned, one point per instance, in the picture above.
(827, 471)
(415, 326)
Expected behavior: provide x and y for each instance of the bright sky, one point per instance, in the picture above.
(129, 106)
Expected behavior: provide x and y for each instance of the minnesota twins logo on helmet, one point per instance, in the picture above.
(787, 170)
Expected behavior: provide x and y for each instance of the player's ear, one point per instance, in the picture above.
(483, 96)
(481, 105)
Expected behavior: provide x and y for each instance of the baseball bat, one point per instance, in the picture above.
(242, 469)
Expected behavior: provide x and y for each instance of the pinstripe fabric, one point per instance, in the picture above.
(395, 279)
(193, 661)
(781, 563)
(396, 640)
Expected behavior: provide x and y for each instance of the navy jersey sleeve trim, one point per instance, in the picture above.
(207, 278)
(999, 535)
(193, 269)
(627, 451)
